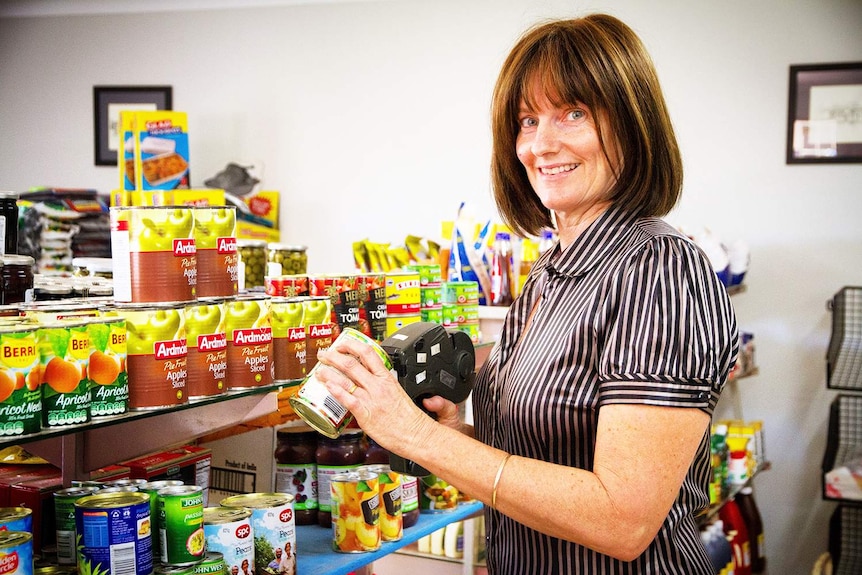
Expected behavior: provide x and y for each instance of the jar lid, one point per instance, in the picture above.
(17, 260)
(288, 247)
(95, 265)
(246, 243)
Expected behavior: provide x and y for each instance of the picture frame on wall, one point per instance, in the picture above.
(824, 121)
(107, 103)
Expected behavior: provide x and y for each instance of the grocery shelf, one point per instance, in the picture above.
(712, 511)
(314, 543)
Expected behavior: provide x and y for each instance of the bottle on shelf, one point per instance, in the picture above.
(501, 270)
(546, 241)
(734, 527)
(754, 524)
(718, 548)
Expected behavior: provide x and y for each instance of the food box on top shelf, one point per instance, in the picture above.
(202, 197)
(243, 463)
(154, 150)
(257, 217)
(12, 474)
(190, 464)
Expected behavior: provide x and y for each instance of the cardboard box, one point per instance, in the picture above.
(260, 220)
(13, 474)
(155, 153)
(197, 198)
(111, 473)
(190, 464)
(242, 463)
(38, 496)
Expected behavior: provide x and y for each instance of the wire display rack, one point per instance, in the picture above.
(844, 357)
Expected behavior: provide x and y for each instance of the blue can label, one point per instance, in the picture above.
(114, 536)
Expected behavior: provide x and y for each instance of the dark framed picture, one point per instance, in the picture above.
(824, 120)
(107, 103)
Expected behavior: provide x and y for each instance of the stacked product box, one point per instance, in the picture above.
(189, 464)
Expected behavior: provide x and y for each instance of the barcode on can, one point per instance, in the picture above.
(335, 410)
(123, 559)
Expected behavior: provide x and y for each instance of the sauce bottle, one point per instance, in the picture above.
(734, 526)
(754, 524)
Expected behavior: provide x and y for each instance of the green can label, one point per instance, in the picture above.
(181, 520)
(106, 368)
(64, 513)
(65, 353)
(20, 382)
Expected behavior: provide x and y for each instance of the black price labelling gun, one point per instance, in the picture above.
(428, 360)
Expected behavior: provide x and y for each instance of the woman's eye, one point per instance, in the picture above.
(577, 114)
(528, 122)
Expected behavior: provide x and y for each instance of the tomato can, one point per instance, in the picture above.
(316, 319)
(249, 342)
(372, 309)
(342, 292)
(389, 487)
(16, 519)
(20, 381)
(288, 336)
(212, 564)
(16, 553)
(114, 533)
(272, 522)
(290, 285)
(64, 350)
(355, 512)
(181, 518)
(154, 254)
(64, 515)
(157, 354)
(106, 367)
(207, 348)
(317, 406)
(229, 534)
(217, 257)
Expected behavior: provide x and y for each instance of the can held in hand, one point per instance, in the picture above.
(181, 520)
(317, 406)
(355, 512)
(272, 521)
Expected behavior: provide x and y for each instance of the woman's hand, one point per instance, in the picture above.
(445, 411)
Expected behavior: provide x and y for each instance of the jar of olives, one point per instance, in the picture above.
(252, 263)
(285, 259)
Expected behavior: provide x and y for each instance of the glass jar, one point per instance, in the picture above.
(17, 278)
(334, 456)
(252, 263)
(376, 454)
(9, 219)
(296, 470)
(285, 259)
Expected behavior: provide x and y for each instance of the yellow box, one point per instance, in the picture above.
(263, 208)
(198, 198)
(250, 231)
(155, 150)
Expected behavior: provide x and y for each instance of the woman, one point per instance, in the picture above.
(591, 445)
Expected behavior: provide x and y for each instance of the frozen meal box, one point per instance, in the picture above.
(155, 150)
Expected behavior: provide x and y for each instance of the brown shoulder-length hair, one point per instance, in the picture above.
(599, 61)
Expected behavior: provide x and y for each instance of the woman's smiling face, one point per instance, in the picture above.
(559, 146)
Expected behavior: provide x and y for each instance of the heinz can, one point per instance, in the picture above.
(217, 258)
(229, 534)
(16, 519)
(288, 337)
(212, 564)
(64, 514)
(157, 354)
(389, 487)
(317, 406)
(316, 319)
(286, 285)
(181, 519)
(154, 254)
(271, 521)
(355, 512)
(372, 308)
(16, 553)
(249, 342)
(64, 348)
(206, 341)
(20, 381)
(342, 292)
(114, 533)
(106, 367)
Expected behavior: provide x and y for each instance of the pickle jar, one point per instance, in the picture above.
(285, 259)
(17, 278)
(296, 470)
(252, 263)
(335, 456)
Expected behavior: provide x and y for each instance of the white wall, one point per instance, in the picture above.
(371, 118)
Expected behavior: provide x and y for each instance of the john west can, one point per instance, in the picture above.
(16, 553)
(272, 522)
(114, 534)
(181, 524)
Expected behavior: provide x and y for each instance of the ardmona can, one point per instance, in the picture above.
(181, 524)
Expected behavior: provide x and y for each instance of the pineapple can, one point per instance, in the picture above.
(114, 534)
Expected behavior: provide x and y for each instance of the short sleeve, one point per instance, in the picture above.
(670, 335)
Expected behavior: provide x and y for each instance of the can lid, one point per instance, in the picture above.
(95, 265)
(11, 538)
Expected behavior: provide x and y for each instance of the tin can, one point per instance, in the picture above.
(106, 367)
(249, 342)
(372, 311)
(229, 533)
(394, 322)
(436, 495)
(181, 519)
(344, 297)
(217, 258)
(162, 569)
(317, 406)
(16, 519)
(432, 314)
(64, 514)
(212, 564)
(316, 319)
(151, 488)
(288, 336)
(287, 285)
(461, 292)
(206, 341)
(429, 274)
(157, 354)
(252, 264)
(64, 349)
(120, 489)
(154, 254)
(55, 570)
(126, 482)
(16, 553)
(273, 522)
(355, 512)
(21, 378)
(114, 533)
(52, 311)
(389, 487)
(430, 297)
(402, 293)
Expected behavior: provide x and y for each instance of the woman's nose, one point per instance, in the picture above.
(547, 139)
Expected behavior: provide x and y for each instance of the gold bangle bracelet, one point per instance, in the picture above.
(497, 480)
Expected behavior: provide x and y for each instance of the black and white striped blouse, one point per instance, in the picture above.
(632, 312)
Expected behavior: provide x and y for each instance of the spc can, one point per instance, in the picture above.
(181, 520)
(114, 532)
(317, 406)
(64, 514)
(272, 521)
(16, 553)
(229, 534)
(355, 512)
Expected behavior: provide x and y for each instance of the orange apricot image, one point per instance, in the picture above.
(35, 377)
(63, 376)
(19, 380)
(7, 384)
(104, 369)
